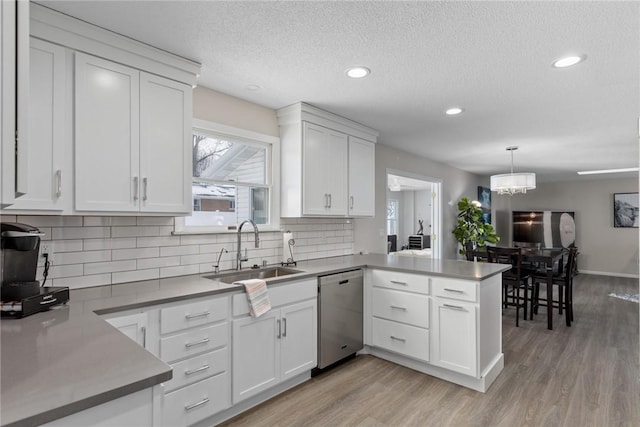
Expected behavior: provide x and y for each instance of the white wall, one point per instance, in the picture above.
(370, 233)
(603, 248)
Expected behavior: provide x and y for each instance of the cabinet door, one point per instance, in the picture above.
(107, 136)
(49, 147)
(165, 145)
(361, 177)
(299, 339)
(256, 354)
(133, 325)
(324, 164)
(454, 344)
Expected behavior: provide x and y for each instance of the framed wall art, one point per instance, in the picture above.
(484, 197)
(625, 210)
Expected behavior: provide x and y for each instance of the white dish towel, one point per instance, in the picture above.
(257, 296)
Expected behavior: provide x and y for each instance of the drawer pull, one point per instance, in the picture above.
(195, 371)
(398, 282)
(195, 316)
(457, 291)
(455, 307)
(195, 405)
(397, 339)
(193, 344)
(397, 307)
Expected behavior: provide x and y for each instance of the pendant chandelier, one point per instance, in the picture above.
(513, 183)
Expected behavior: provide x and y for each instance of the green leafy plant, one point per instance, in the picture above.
(471, 231)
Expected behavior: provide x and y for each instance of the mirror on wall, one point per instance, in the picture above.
(413, 215)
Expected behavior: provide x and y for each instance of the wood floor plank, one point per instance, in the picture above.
(586, 375)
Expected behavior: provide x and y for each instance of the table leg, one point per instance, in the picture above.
(550, 296)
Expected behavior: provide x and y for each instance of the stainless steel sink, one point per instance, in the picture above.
(259, 273)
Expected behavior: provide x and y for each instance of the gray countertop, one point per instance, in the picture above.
(68, 359)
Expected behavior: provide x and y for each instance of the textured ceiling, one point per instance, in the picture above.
(491, 58)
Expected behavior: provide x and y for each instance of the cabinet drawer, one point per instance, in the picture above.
(197, 368)
(401, 307)
(198, 401)
(194, 342)
(193, 314)
(403, 281)
(463, 290)
(400, 338)
(280, 295)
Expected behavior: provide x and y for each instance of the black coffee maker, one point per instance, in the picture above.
(20, 245)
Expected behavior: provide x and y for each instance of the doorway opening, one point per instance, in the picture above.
(414, 214)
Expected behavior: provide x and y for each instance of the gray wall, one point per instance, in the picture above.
(370, 233)
(603, 248)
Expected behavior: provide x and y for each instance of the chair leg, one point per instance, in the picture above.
(560, 299)
(517, 303)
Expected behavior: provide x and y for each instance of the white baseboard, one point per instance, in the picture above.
(608, 273)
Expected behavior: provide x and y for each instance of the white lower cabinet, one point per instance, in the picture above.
(278, 345)
(454, 336)
(132, 325)
(400, 338)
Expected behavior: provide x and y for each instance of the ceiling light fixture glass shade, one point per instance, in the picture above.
(513, 183)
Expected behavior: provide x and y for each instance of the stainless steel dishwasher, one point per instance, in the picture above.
(339, 316)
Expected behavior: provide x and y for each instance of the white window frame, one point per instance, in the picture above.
(272, 175)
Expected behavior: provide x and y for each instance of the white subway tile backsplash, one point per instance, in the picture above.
(134, 276)
(92, 251)
(109, 266)
(121, 243)
(135, 253)
(80, 232)
(108, 221)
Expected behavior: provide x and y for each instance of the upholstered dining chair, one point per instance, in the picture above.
(563, 280)
(513, 280)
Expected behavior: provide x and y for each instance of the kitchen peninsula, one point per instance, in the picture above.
(76, 361)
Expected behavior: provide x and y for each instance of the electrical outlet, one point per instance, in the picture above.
(46, 248)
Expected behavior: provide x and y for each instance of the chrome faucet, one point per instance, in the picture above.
(239, 256)
(217, 265)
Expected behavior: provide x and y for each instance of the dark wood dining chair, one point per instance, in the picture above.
(563, 280)
(513, 280)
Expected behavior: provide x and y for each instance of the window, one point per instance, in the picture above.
(392, 217)
(232, 179)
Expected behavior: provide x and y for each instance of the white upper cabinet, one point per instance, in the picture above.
(132, 140)
(107, 146)
(362, 163)
(324, 163)
(165, 144)
(14, 97)
(49, 148)
(327, 164)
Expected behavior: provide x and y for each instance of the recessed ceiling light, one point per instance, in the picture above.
(358, 72)
(252, 88)
(608, 171)
(568, 61)
(454, 111)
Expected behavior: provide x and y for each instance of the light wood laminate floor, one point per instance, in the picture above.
(585, 375)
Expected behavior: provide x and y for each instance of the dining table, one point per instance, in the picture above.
(546, 258)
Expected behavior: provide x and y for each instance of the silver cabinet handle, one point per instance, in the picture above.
(49, 301)
(195, 316)
(329, 199)
(144, 336)
(326, 200)
(195, 405)
(398, 282)
(454, 307)
(59, 183)
(397, 339)
(279, 329)
(284, 326)
(351, 200)
(193, 344)
(144, 187)
(397, 307)
(135, 188)
(457, 291)
(195, 371)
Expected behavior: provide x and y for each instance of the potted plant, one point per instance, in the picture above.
(471, 231)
